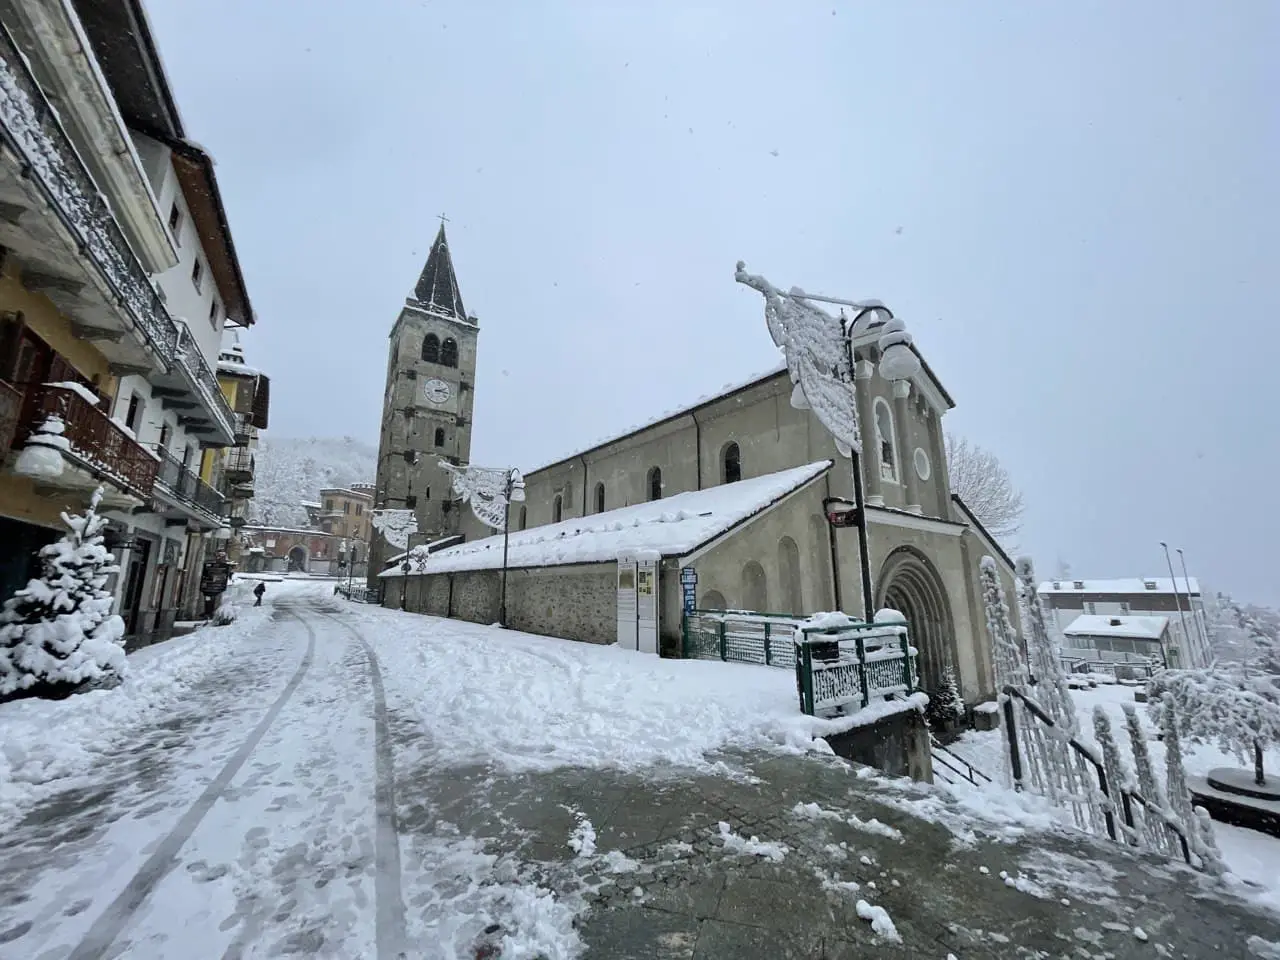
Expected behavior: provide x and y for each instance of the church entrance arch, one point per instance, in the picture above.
(298, 559)
(910, 584)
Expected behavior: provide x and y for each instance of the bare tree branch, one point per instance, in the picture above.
(983, 483)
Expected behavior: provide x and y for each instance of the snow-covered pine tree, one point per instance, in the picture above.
(1158, 836)
(59, 630)
(945, 703)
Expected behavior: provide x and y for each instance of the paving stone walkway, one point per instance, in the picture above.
(663, 884)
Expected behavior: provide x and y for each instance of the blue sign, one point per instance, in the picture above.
(689, 584)
(689, 576)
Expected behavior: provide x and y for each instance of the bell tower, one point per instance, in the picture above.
(427, 404)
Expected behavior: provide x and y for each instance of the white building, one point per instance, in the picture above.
(1093, 639)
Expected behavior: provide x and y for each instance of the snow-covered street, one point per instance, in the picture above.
(330, 779)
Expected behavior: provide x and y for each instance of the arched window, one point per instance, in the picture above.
(655, 483)
(524, 516)
(431, 348)
(885, 441)
(439, 436)
(599, 498)
(557, 509)
(730, 464)
(449, 352)
(567, 494)
(789, 572)
(755, 596)
(713, 600)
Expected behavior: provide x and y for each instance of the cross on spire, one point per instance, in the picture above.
(442, 218)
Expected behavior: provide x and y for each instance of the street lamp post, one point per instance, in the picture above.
(820, 359)
(1177, 601)
(1196, 615)
(506, 541)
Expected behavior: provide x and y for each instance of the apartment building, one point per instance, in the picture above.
(248, 392)
(118, 275)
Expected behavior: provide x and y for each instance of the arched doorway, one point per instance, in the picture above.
(298, 559)
(755, 595)
(713, 600)
(909, 583)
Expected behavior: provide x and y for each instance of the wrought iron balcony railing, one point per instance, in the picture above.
(184, 485)
(30, 128)
(188, 354)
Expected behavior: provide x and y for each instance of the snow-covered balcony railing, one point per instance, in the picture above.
(10, 411)
(95, 443)
(238, 468)
(198, 379)
(30, 128)
(844, 665)
(182, 484)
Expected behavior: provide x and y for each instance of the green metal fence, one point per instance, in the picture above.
(838, 668)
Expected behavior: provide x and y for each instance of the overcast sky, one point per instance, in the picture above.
(1074, 207)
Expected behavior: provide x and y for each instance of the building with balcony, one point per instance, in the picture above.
(117, 278)
(248, 391)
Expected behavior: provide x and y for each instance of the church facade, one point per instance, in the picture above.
(774, 552)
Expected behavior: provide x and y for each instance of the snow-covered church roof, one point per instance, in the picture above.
(1101, 625)
(674, 526)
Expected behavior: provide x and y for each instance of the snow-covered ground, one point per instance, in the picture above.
(1251, 855)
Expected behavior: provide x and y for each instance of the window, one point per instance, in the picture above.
(439, 436)
(410, 502)
(524, 516)
(175, 221)
(731, 464)
(449, 352)
(655, 483)
(557, 509)
(213, 312)
(328, 506)
(431, 348)
(359, 509)
(164, 435)
(135, 410)
(197, 274)
(884, 441)
(599, 498)
(346, 506)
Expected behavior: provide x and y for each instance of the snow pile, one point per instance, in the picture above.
(582, 840)
(41, 458)
(46, 742)
(751, 846)
(673, 526)
(59, 630)
(812, 811)
(878, 917)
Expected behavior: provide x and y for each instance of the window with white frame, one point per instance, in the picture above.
(197, 274)
(885, 441)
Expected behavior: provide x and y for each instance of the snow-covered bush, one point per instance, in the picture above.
(224, 615)
(945, 703)
(1230, 706)
(59, 630)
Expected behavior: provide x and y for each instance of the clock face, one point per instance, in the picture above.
(436, 391)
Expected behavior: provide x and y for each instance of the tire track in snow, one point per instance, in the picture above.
(164, 858)
(389, 930)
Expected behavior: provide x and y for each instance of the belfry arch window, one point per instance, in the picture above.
(885, 441)
(449, 352)
(731, 464)
(599, 498)
(655, 483)
(557, 509)
(431, 348)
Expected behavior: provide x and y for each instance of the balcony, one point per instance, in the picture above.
(184, 497)
(238, 468)
(97, 450)
(58, 223)
(189, 387)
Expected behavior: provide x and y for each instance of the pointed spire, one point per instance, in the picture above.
(437, 288)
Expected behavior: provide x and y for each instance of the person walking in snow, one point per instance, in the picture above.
(258, 591)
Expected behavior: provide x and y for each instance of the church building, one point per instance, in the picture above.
(726, 493)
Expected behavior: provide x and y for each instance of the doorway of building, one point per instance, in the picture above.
(20, 561)
(131, 601)
(298, 560)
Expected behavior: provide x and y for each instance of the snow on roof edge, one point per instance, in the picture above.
(674, 526)
(1124, 585)
(1103, 625)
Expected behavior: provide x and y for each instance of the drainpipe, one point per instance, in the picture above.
(697, 444)
(584, 485)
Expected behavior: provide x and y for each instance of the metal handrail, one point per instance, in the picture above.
(973, 772)
(186, 485)
(1127, 796)
(29, 126)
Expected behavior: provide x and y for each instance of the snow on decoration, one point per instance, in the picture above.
(897, 360)
(818, 358)
(41, 458)
(1118, 778)
(1157, 836)
(396, 526)
(79, 389)
(59, 630)
(1011, 671)
(1198, 830)
(487, 490)
(1231, 707)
